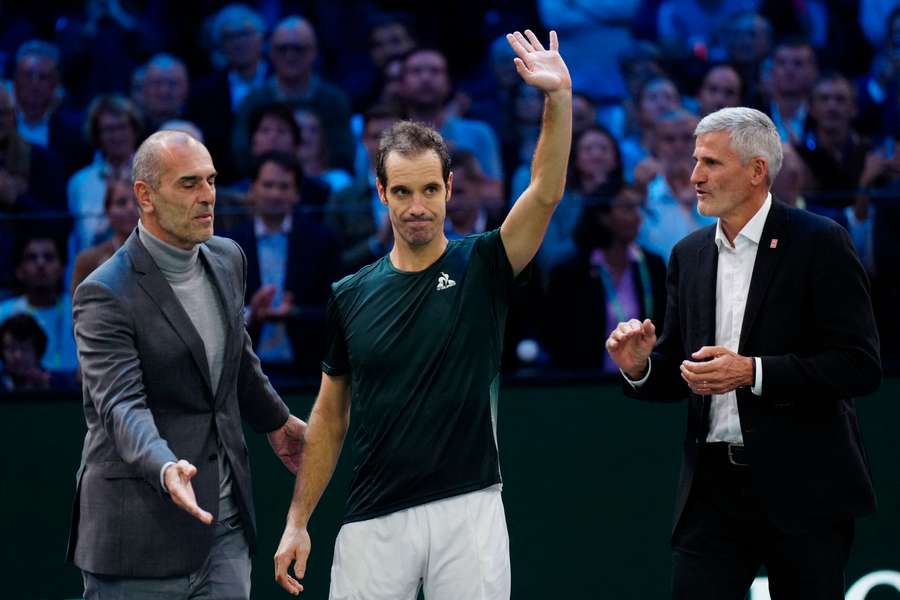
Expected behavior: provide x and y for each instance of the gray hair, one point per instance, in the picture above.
(235, 14)
(164, 60)
(752, 135)
(38, 48)
(147, 163)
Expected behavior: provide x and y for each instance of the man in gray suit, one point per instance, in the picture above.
(168, 374)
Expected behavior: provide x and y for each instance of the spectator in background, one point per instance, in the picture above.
(114, 128)
(595, 170)
(609, 279)
(121, 212)
(467, 210)
(694, 27)
(879, 90)
(721, 88)
(164, 90)
(238, 34)
(671, 207)
(41, 118)
(835, 155)
(794, 71)
(39, 269)
(597, 33)
(293, 49)
(657, 97)
(639, 65)
(22, 345)
(291, 263)
(356, 214)
(184, 126)
(313, 153)
(791, 182)
(748, 41)
(390, 39)
(30, 187)
(426, 91)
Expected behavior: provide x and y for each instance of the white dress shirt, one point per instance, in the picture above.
(733, 275)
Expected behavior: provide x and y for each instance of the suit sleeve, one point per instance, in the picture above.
(111, 370)
(665, 383)
(846, 360)
(260, 404)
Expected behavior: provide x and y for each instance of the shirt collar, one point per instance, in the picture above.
(262, 231)
(752, 231)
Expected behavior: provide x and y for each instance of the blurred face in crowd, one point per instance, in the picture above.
(19, 356)
(165, 90)
(528, 104)
(749, 40)
(372, 135)
(293, 51)
(121, 209)
(659, 97)
(392, 81)
(36, 79)
(595, 153)
(624, 217)
(180, 210)
(832, 105)
(389, 41)
(310, 136)
(274, 192)
(241, 43)
(789, 183)
(41, 267)
(116, 136)
(416, 196)
(425, 80)
(793, 70)
(271, 134)
(674, 139)
(467, 194)
(721, 88)
(723, 184)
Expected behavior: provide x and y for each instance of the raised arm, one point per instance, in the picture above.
(325, 434)
(524, 227)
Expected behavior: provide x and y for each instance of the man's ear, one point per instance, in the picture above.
(449, 186)
(760, 173)
(381, 192)
(142, 196)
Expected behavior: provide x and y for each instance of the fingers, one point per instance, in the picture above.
(516, 45)
(554, 42)
(523, 41)
(533, 39)
(178, 482)
(707, 352)
(282, 562)
(521, 69)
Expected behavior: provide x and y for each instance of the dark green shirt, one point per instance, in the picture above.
(422, 352)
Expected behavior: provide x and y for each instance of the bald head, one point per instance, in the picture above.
(293, 50)
(150, 160)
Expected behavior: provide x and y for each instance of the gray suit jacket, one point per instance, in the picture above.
(148, 400)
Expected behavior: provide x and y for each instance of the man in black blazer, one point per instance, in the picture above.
(163, 504)
(291, 262)
(768, 333)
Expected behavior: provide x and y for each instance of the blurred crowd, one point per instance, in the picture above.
(291, 98)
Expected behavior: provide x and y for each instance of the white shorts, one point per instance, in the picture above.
(453, 548)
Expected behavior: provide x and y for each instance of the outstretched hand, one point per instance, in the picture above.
(541, 68)
(178, 483)
(629, 346)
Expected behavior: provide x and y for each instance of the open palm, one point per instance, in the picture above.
(541, 68)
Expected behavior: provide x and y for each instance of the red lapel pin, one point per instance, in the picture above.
(773, 243)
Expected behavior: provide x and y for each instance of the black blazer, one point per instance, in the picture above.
(575, 327)
(809, 317)
(148, 399)
(312, 265)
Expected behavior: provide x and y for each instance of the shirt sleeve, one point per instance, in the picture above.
(337, 360)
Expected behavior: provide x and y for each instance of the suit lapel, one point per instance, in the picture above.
(154, 283)
(772, 246)
(216, 269)
(708, 263)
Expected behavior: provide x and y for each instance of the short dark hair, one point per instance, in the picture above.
(285, 160)
(115, 104)
(380, 111)
(616, 174)
(26, 238)
(281, 111)
(590, 232)
(23, 327)
(409, 139)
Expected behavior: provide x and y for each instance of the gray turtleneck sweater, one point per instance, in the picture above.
(197, 294)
